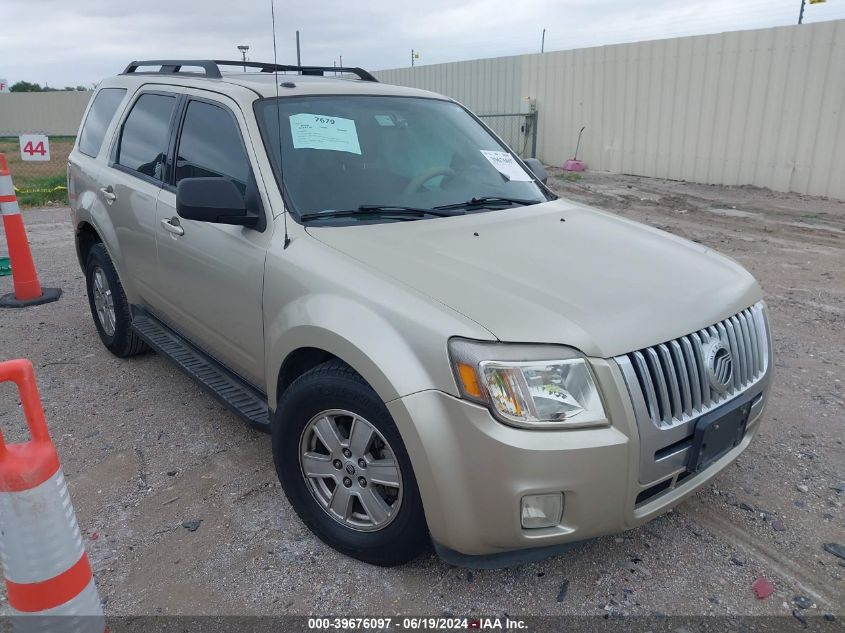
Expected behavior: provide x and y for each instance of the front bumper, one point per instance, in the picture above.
(473, 471)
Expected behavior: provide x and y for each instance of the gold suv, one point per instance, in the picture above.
(443, 350)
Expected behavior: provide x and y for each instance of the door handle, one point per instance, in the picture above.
(108, 194)
(168, 225)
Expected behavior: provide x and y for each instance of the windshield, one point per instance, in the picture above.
(341, 153)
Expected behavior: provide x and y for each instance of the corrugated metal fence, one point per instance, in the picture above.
(52, 113)
(763, 107)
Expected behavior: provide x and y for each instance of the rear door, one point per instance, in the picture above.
(130, 185)
(211, 276)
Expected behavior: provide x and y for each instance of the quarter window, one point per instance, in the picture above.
(143, 141)
(98, 120)
(211, 146)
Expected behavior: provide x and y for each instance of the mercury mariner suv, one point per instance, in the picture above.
(443, 350)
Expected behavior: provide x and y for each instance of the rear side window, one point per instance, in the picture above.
(143, 140)
(99, 117)
(211, 145)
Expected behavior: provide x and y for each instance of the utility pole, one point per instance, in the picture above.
(801, 12)
(543, 42)
(298, 58)
(412, 58)
(243, 48)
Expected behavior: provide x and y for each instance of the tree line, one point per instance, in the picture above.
(26, 86)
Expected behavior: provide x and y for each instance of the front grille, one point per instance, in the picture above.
(674, 380)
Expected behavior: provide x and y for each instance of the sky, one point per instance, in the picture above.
(78, 42)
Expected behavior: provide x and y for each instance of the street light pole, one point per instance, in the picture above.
(243, 48)
(801, 12)
(543, 42)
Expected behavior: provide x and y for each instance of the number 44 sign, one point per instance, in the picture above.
(35, 147)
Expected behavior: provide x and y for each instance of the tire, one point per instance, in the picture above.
(336, 388)
(119, 338)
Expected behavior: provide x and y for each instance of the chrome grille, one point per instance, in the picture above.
(673, 376)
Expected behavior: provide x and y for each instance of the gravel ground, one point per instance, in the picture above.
(146, 452)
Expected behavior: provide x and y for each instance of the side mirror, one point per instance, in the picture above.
(538, 170)
(213, 200)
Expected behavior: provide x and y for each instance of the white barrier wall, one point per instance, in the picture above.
(763, 107)
(52, 113)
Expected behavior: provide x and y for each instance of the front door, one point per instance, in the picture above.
(211, 276)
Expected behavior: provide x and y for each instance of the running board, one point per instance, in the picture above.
(242, 399)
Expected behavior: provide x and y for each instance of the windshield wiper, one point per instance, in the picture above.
(486, 201)
(386, 211)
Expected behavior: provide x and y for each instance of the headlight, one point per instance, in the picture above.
(531, 386)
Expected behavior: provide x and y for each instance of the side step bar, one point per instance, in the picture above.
(239, 397)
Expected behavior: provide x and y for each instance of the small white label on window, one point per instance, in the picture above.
(385, 120)
(317, 131)
(507, 165)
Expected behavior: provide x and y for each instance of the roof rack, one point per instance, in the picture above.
(211, 68)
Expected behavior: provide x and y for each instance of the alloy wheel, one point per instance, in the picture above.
(350, 470)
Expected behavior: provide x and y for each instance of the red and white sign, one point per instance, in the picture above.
(35, 147)
(4, 85)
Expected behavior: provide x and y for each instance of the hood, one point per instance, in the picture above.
(594, 281)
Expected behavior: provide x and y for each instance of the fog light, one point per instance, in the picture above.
(542, 511)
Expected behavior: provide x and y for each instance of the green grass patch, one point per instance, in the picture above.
(40, 192)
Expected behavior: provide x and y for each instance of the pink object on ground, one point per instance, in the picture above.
(762, 588)
(574, 165)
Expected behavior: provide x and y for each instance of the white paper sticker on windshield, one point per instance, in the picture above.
(507, 165)
(385, 120)
(316, 131)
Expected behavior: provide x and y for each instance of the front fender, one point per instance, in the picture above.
(362, 338)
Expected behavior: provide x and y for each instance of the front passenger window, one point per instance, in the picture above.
(143, 140)
(211, 146)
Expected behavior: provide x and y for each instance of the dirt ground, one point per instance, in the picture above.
(145, 450)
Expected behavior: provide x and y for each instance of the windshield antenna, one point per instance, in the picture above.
(278, 114)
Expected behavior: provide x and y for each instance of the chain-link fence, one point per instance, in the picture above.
(38, 183)
(518, 130)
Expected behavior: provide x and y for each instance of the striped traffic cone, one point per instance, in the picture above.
(44, 562)
(28, 291)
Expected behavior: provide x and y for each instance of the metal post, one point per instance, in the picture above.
(535, 117)
(243, 48)
(543, 42)
(801, 13)
(412, 58)
(298, 58)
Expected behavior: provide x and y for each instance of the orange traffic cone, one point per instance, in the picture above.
(44, 562)
(28, 291)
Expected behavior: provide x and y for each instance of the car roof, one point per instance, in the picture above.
(263, 84)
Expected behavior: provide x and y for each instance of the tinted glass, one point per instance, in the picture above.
(211, 145)
(143, 142)
(98, 119)
(341, 152)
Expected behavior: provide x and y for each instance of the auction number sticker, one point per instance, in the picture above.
(318, 131)
(35, 147)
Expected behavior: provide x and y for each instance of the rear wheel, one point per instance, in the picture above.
(109, 307)
(345, 469)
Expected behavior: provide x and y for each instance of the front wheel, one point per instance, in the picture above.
(344, 468)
